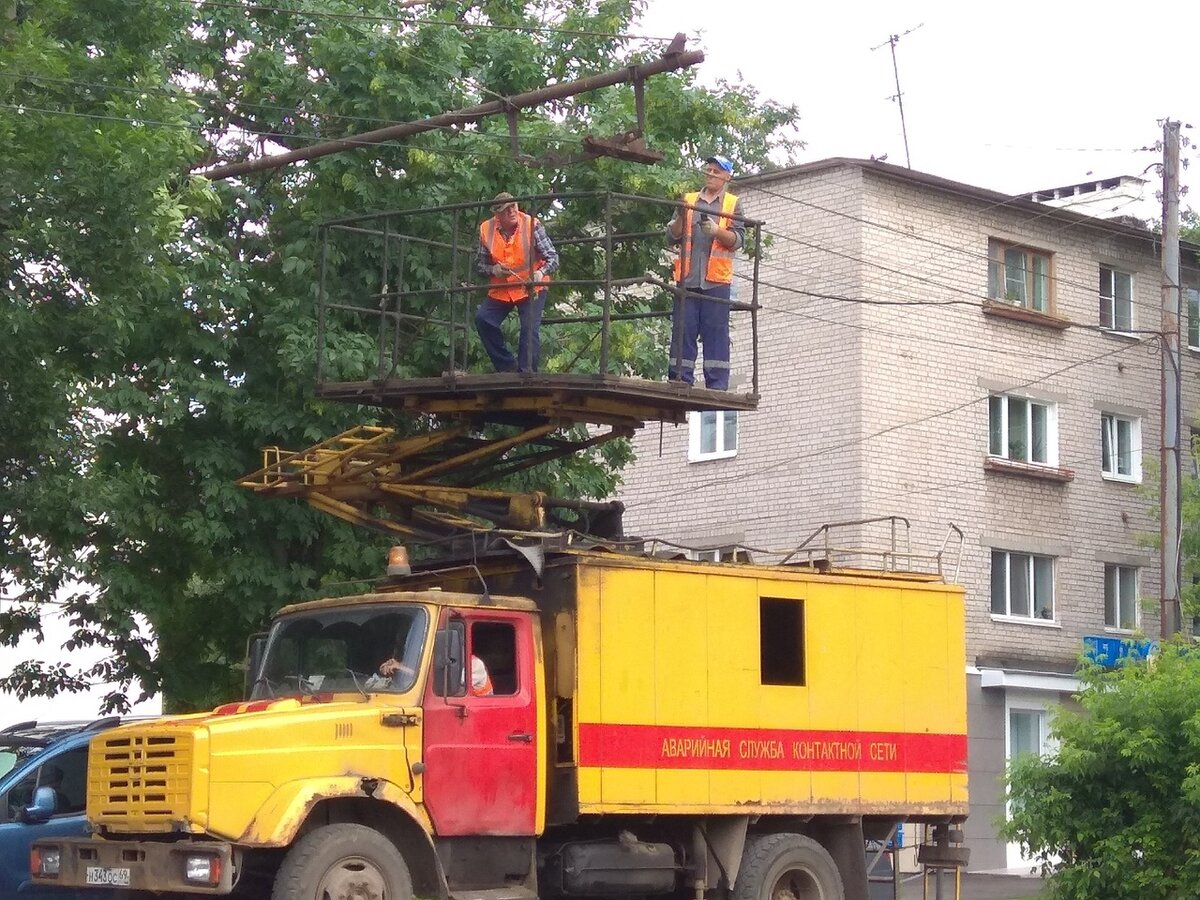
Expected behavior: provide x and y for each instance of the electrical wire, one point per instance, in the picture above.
(972, 480)
(964, 249)
(282, 137)
(742, 474)
(931, 280)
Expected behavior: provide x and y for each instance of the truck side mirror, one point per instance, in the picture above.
(449, 654)
(256, 648)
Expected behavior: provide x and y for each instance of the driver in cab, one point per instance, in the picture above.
(481, 682)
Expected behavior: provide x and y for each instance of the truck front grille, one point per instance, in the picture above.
(140, 779)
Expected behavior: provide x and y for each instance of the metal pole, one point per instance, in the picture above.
(1169, 499)
(895, 39)
(384, 299)
(321, 301)
(606, 324)
(754, 310)
(453, 299)
(668, 63)
(399, 293)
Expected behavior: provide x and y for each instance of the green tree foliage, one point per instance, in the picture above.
(159, 328)
(1115, 811)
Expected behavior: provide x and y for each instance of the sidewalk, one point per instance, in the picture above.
(974, 887)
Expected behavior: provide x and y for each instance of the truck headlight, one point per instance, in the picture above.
(202, 868)
(45, 861)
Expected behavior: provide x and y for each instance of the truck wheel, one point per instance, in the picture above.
(787, 867)
(343, 862)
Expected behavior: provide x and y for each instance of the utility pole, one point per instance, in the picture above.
(1169, 496)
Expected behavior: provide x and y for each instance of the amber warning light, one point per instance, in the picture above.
(397, 563)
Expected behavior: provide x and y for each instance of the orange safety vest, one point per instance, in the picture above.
(516, 251)
(720, 259)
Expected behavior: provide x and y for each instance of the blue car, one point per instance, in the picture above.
(43, 792)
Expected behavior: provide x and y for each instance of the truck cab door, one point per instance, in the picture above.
(483, 736)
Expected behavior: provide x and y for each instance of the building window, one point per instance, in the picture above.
(1022, 430)
(1116, 299)
(1120, 597)
(781, 640)
(1019, 275)
(728, 553)
(1028, 732)
(712, 435)
(1192, 298)
(1121, 447)
(1022, 585)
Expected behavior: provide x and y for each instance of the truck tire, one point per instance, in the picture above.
(787, 867)
(343, 862)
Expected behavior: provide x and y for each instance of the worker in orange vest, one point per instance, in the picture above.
(516, 255)
(708, 234)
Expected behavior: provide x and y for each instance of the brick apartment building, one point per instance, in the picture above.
(949, 354)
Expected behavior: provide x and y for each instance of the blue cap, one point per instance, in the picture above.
(722, 163)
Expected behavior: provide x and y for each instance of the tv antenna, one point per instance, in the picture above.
(892, 41)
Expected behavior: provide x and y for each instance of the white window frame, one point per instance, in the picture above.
(1109, 277)
(695, 432)
(1191, 302)
(1051, 426)
(1110, 447)
(1042, 708)
(1031, 586)
(724, 553)
(1112, 582)
(1018, 285)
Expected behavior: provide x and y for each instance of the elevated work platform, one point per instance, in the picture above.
(396, 304)
(611, 400)
(407, 281)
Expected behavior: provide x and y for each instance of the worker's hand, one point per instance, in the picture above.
(500, 269)
(539, 276)
(389, 667)
(709, 227)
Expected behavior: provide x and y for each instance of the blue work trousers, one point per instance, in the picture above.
(488, 319)
(709, 323)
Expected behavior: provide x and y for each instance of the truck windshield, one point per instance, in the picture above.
(343, 650)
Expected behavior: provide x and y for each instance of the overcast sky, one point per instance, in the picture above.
(1013, 97)
(65, 706)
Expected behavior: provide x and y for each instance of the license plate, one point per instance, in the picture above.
(107, 875)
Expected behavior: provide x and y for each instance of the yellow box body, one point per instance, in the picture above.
(673, 716)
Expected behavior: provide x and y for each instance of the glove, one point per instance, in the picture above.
(709, 227)
(499, 269)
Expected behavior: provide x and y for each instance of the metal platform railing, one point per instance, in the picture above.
(406, 281)
(824, 552)
(895, 554)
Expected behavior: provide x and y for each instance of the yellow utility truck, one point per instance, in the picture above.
(554, 723)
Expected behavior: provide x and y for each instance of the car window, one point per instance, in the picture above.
(74, 784)
(64, 776)
(8, 760)
(20, 795)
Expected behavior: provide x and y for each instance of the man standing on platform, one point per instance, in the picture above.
(516, 254)
(707, 237)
